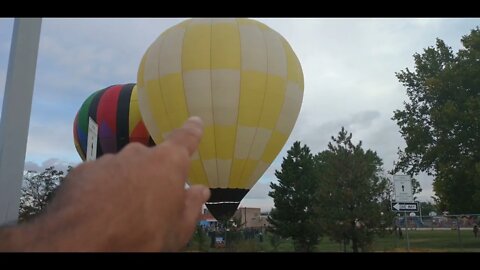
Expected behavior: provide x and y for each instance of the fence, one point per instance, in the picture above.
(446, 222)
(435, 233)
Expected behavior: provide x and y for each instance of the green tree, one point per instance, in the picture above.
(199, 240)
(275, 241)
(428, 207)
(37, 191)
(353, 193)
(416, 187)
(293, 215)
(441, 122)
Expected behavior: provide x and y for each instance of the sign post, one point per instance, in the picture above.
(406, 231)
(404, 199)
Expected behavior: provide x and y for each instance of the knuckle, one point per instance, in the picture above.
(176, 153)
(171, 153)
(191, 132)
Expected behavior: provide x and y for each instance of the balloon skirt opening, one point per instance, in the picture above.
(224, 202)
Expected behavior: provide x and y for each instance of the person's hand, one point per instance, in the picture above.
(132, 201)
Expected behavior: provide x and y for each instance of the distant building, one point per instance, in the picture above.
(249, 217)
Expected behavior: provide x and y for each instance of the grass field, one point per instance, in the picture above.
(431, 241)
(420, 241)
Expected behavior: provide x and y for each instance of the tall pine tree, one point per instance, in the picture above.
(353, 193)
(294, 199)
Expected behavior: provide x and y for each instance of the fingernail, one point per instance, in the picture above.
(195, 124)
(206, 193)
(195, 120)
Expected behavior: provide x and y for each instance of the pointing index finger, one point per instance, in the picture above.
(188, 135)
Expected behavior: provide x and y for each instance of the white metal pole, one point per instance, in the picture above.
(420, 208)
(406, 231)
(17, 105)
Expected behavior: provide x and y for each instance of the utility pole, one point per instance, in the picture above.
(17, 105)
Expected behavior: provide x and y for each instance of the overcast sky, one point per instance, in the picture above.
(349, 67)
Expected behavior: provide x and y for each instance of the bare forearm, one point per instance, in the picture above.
(15, 238)
(62, 231)
(42, 234)
(132, 201)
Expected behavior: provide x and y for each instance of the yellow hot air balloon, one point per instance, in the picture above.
(245, 82)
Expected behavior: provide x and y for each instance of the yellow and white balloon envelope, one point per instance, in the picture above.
(245, 82)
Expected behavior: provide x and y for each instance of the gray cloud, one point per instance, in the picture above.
(355, 122)
(52, 139)
(32, 166)
(55, 162)
(258, 191)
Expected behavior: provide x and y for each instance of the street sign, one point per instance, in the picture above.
(403, 188)
(405, 206)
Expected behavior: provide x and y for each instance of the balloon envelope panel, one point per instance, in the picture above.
(246, 83)
(115, 110)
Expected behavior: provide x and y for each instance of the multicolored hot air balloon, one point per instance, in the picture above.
(115, 110)
(246, 83)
